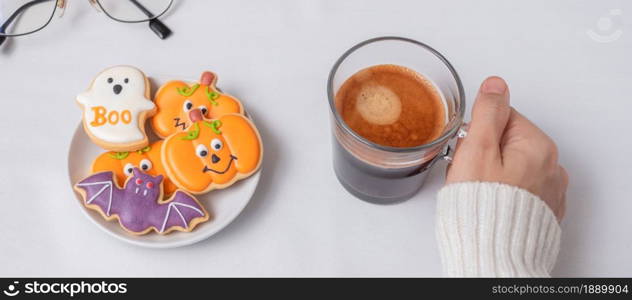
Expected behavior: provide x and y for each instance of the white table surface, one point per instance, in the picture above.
(276, 55)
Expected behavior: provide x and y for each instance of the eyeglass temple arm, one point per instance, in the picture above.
(15, 14)
(159, 28)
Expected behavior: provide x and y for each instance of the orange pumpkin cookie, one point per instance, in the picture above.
(122, 165)
(176, 100)
(212, 154)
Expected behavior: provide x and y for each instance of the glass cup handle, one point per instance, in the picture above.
(461, 134)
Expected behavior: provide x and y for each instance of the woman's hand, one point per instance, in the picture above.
(504, 146)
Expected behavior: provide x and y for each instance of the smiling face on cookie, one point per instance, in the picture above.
(213, 154)
(115, 108)
(176, 100)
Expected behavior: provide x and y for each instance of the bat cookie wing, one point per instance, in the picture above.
(99, 190)
(138, 205)
(182, 211)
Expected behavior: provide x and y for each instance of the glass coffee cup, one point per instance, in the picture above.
(385, 174)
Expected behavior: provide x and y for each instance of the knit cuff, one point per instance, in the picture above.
(495, 230)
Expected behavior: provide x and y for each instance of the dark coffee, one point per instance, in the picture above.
(376, 184)
(392, 105)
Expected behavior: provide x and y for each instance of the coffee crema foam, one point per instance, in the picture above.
(392, 105)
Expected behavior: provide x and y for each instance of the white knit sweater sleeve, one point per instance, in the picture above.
(495, 230)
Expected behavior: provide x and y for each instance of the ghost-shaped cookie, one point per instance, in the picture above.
(115, 108)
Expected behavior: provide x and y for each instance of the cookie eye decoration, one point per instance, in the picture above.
(145, 165)
(110, 80)
(171, 100)
(147, 160)
(139, 181)
(201, 151)
(128, 168)
(216, 144)
(203, 109)
(187, 105)
(126, 80)
(235, 153)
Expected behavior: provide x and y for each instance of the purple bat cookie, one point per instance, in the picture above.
(137, 206)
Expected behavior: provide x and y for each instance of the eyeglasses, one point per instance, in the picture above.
(22, 17)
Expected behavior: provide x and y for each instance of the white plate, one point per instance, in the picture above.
(223, 205)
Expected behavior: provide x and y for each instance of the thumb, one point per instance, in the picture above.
(490, 114)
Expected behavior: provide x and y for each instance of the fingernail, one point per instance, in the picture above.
(494, 85)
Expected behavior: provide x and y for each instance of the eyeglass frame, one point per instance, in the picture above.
(156, 25)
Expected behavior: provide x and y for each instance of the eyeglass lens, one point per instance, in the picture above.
(19, 17)
(134, 10)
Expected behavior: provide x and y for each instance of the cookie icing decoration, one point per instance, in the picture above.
(187, 91)
(193, 133)
(119, 155)
(147, 159)
(215, 125)
(115, 108)
(144, 150)
(138, 206)
(177, 99)
(212, 96)
(217, 154)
